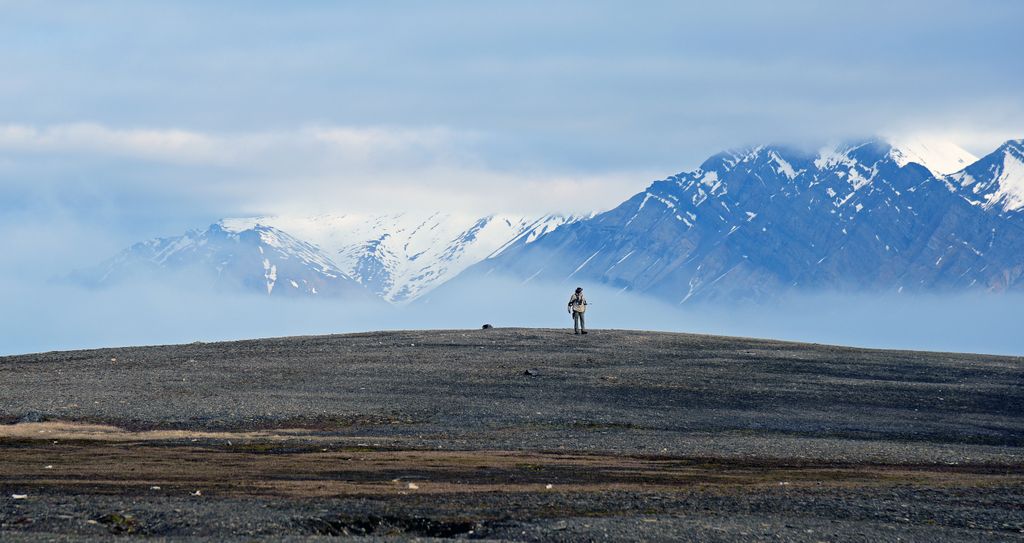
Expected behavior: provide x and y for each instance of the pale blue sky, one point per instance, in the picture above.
(139, 118)
(592, 85)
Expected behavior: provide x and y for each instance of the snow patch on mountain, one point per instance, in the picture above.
(830, 158)
(784, 167)
(941, 157)
(1011, 184)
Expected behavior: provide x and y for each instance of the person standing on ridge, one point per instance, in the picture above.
(577, 305)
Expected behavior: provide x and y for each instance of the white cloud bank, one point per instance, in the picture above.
(233, 149)
(324, 168)
(41, 317)
(312, 168)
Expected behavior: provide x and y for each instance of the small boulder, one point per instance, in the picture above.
(530, 371)
(486, 327)
(32, 416)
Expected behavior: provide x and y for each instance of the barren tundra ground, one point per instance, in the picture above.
(512, 434)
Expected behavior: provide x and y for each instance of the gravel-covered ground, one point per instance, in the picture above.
(515, 434)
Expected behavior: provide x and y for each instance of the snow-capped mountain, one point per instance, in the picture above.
(756, 222)
(260, 258)
(396, 257)
(402, 256)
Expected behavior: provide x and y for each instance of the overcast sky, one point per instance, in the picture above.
(124, 120)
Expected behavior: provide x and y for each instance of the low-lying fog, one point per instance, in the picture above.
(47, 316)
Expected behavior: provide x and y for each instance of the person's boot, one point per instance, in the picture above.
(583, 332)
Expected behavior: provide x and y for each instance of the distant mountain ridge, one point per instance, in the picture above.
(394, 257)
(759, 222)
(261, 259)
(749, 224)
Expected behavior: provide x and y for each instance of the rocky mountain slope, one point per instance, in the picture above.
(755, 223)
(996, 182)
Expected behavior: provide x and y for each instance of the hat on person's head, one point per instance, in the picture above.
(579, 289)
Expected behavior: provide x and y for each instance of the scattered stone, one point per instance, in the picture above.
(119, 523)
(32, 416)
(531, 371)
(414, 486)
(197, 493)
(19, 496)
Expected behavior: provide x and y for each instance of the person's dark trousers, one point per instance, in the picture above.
(577, 322)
